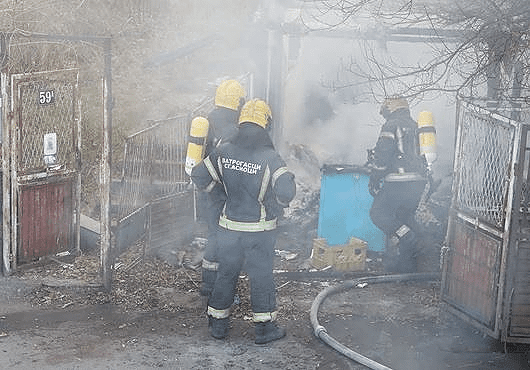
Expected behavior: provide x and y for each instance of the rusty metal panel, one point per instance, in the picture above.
(473, 271)
(519, 323)
(517, 308)
(130, 229)
(45, 219)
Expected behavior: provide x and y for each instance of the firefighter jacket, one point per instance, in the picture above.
(396, 154)
(223, 127)
(255, 178)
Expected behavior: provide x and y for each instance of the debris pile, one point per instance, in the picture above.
(139, 282)
(143, 282)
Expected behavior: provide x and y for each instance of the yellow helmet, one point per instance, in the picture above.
(256, 111)
(229, 94)
(393, 103)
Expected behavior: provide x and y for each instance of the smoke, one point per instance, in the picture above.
(329, 121)
(342, 139)
(335, 116)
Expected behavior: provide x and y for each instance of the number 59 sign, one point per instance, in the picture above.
(46, 97)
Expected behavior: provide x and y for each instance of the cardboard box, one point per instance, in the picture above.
(348, 257)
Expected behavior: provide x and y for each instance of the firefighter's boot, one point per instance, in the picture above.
(267, 332)
(400, 251)
(218, 327)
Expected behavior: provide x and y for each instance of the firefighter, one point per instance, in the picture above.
(223, 125)
(258, 187)
(398, 178)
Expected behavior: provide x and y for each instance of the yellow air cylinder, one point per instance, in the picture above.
(197, 142)
(427, 136)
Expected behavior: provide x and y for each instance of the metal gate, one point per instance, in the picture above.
(153, 168)
(44, 160)
(486, 237)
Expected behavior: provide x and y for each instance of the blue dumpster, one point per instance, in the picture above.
(345, 204)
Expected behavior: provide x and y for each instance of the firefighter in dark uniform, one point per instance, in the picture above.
(398, 178)
(223, 125)
(258, 187)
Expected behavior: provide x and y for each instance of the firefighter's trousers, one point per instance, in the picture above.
(256, 251)
(393, 212)
(211, 206)
(212, 213)
(396, 204)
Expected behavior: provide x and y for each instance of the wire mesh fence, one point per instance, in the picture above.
(26, 54)
(154, 159)
(153, 164)
(47, 107)
(155, 193)
(487, 142)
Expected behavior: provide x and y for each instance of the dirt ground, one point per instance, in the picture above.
(54, 315)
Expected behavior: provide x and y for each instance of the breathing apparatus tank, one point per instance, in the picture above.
(427, 137)
(197, 142)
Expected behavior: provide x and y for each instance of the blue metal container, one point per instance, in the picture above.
(345, 204)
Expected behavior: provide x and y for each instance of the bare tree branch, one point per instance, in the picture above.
(492, 48)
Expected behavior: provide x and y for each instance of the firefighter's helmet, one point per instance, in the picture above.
(393, 103)
(256, 111)
(230, 94)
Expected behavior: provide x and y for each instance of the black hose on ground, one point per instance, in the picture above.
(321, 332)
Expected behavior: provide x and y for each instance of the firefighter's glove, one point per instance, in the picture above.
(370, 161)
(375, 185)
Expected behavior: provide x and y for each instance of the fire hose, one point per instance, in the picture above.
(321, 332)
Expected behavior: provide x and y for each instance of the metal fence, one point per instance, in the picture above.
(154, 190)
(154, 161)
(47, 106)
(486, 143)
(153, 164)
(485, 260)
